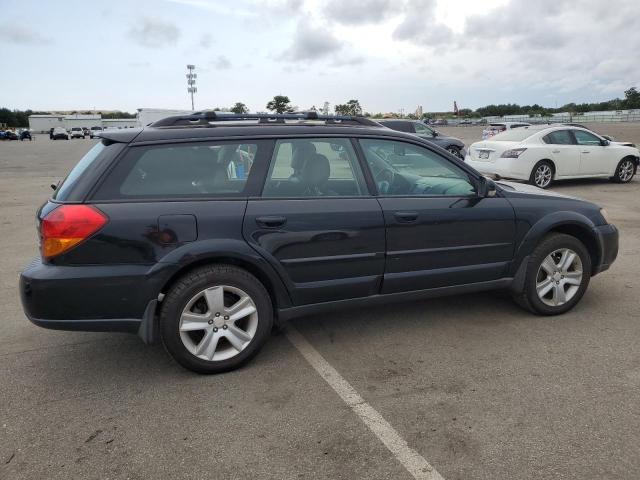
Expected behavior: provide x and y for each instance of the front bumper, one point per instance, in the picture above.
(607, 236)
(114, 298)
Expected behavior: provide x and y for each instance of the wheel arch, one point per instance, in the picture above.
(241, 256)
(548, 160)
(569, 223)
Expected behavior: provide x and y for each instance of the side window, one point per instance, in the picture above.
(181, 170)
(404, 169)
(559, 137)
(423, 130)
(586, 138)
(314, 167)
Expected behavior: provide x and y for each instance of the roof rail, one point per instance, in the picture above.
(209, 117)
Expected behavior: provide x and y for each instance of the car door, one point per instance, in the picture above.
(316, 222)
(564, 152)
(439, 231)
(592, 155)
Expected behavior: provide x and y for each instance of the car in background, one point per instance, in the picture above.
(77, 132)
(8, 135)
(453, 145)
(59, 133)
(95, 132)
(496, 128)
(25, 135)
(543, 154)
(86, 131)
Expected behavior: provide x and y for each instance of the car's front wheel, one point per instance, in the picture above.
(542, 174)
(625, 171)
(215, 318)
(557, 275)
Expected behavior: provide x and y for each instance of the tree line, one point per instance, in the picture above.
(282, 104)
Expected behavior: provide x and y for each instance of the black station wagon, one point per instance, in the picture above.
(202, 230)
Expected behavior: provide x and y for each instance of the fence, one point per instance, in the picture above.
(577, 118)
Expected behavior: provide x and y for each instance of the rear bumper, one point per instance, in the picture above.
(607, 236)
(502, 168)
(94, 298)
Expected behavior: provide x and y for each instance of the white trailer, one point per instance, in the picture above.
(150, 115)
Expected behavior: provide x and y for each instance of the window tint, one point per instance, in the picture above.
(404, 169)
(559, 137)
(63, 190)
(423, 130)
(314, 168)
(169, 171)
(586, 138)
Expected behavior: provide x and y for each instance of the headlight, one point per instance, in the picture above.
(513, 153)
(605, 215)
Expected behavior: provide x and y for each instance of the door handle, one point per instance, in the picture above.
(271, 221)
(585, 151)
(555, 151)
(406, 217)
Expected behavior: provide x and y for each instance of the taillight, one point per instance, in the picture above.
(67, 226)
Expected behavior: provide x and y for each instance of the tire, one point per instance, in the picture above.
(455, 151)
(542, 174)
(539, 277)
(189, 325)
(625, 171)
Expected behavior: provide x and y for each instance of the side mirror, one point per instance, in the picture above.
(435, 134)
(604, 143)
(486, 188)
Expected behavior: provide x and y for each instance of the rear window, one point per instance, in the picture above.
(221, 169)
(63, 190)
(513, 135)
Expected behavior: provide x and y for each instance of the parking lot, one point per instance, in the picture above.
(476, 386)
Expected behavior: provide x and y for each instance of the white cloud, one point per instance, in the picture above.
(154, 33)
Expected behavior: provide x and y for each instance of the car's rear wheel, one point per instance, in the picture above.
(557, 275)
(625, 171)
(542, 174)
(215, 318)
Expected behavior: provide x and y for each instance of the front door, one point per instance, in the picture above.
(564, 152)
(316, 222)
(439, 232)
(592, 155)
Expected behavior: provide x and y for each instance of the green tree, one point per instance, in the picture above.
(352, 107)
(239, 107)
(280, 104)
(631, 98)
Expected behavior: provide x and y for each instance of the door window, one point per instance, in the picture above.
(586, 138)
(401, 168)
(423, 130)
(559, 137)
(321, 167)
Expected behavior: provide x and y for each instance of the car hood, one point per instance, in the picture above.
(530, 189)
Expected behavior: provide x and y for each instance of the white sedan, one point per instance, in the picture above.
(543, 154)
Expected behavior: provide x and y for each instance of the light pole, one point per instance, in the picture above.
(191, 81)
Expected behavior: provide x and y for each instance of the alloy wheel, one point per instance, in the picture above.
(559, 277)
(454, 151)
(542, 177)
(218, 323)
(626, 171)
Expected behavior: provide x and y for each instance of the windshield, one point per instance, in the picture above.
(513, 135)
(96, 128)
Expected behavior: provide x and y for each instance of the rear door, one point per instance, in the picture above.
(439, 232)
(592, 154)
(564, 152)
(316, 222)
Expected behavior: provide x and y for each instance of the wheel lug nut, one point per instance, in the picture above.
(224, 327)
(217, 314)
(215, 329)
(226, 317)
(210, 322)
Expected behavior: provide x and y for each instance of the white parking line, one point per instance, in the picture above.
(415, 464)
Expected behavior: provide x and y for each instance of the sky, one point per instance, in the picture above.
(388, 54)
